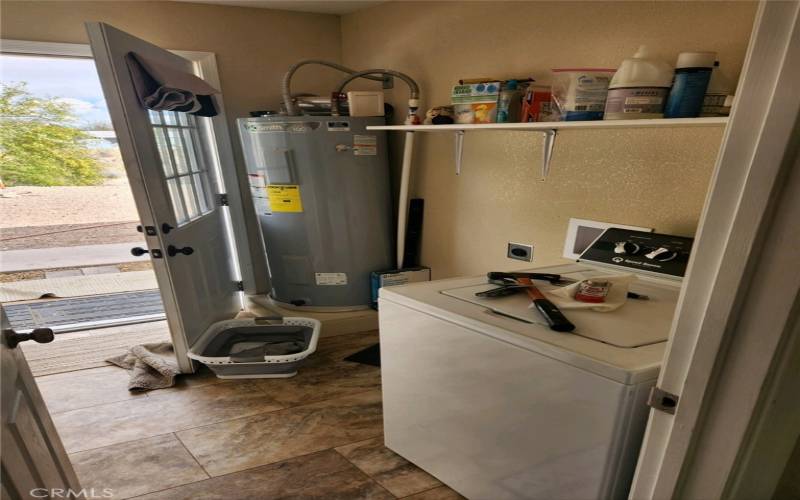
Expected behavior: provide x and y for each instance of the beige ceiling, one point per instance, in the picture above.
(320, 6)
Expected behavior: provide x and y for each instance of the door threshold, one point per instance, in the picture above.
(88, 312)
(92, 325)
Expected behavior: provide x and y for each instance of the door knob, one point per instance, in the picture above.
(172, 250)
(138, 251)
(40, 335)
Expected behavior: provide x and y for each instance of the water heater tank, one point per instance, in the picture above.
(320, 186)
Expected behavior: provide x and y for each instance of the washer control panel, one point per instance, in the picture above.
(653, 253)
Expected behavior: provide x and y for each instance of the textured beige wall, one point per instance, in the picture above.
(254, 47)
(654, 178)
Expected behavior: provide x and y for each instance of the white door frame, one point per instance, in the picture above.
(205, 65)
(711, 361)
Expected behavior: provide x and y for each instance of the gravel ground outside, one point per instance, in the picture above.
(38, 274)
(67, 216)
(69, 235)
(27, 206)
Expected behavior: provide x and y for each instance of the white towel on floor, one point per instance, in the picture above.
(152, 366)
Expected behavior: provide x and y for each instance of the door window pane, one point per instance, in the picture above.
(170, 117)
(187, 139)
(178, 151)
(163, 151)
(201, 192)
(184, 164)
(177, 203)
(189, 196)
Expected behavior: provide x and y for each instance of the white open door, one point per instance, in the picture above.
(32, 458)
(174, 171)
(738, 306)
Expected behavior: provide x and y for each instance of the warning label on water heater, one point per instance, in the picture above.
(331, 279)
(284, 198)
(365, 145)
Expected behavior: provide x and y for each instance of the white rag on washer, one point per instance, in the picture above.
(564, 297)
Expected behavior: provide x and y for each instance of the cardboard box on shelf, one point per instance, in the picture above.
(476, 102)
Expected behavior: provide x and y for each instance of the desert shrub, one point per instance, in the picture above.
(39, 145)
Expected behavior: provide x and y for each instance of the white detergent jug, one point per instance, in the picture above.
(639, 88)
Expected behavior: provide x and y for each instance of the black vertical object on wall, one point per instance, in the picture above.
(413, 244)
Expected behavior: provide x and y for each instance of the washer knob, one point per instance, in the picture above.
(626, 247)
(662, 254)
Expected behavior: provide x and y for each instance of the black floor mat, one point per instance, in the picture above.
(369, 356)
(79, 310)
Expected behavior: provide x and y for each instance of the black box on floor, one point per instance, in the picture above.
(395, 277)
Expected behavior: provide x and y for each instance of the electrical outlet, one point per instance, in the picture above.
(520, 251)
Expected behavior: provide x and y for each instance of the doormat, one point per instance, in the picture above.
(369, 356)
(90, 348)
(93, 310)
(78, 286)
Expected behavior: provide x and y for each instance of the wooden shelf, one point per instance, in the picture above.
(545, 126)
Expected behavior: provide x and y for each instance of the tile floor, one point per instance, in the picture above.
(316, 435)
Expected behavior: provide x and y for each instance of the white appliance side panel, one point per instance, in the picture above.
(492, 420)
(631, 427)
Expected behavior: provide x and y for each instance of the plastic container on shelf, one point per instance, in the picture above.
(509, 103)
(719, 95)
(639, 88)
(579, 94)
(692, 75)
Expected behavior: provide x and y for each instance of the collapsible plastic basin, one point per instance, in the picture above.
(257, 347)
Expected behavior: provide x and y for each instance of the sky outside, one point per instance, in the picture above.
(71, 80)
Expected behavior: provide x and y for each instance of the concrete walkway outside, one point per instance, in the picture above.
(48, 258)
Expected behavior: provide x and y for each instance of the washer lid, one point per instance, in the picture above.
(637, 323)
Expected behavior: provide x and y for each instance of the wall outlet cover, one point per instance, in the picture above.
(520, 251)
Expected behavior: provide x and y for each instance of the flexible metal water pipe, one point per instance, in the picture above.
(286, 85)
(412, 85)
(413, 98)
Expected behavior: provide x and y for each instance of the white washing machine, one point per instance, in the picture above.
(481, 394)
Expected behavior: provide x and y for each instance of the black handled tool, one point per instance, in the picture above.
(497, 276)
(501, 291)
(552, 314)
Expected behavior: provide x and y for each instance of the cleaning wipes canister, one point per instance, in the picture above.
(692, 74)
(639, 88)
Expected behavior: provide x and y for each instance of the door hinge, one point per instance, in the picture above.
(222, 199)
(240, 286)
(660, 399)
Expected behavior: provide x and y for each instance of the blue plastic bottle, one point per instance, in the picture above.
(692, 74)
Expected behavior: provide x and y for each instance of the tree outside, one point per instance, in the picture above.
(65, 182)
(40, 144)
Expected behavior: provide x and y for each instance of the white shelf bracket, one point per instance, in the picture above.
(459, 150)
(547, 151)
